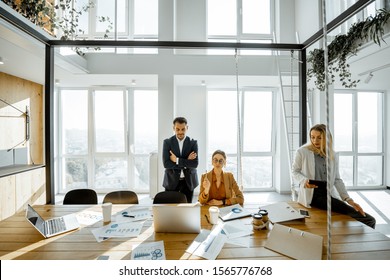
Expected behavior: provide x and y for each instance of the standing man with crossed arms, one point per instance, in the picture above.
(180, 159)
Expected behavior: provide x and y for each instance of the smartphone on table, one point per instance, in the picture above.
(304, 213)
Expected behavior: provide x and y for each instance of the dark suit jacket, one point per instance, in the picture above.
(172, 170)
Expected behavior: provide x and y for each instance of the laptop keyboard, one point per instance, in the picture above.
(55, 225)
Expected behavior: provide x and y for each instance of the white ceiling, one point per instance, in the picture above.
(24, 58)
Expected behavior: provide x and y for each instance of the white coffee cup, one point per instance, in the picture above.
(106, 208)
(214, 213)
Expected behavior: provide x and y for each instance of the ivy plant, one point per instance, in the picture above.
(344, 46)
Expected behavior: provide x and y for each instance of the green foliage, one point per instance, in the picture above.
(343, 47)
(63, 17)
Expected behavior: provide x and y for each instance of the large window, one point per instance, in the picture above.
(358, 129)
(106, 137)
(246, 21)
(125, 19)
(257, 135)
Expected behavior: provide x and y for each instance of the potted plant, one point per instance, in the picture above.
(343, 47)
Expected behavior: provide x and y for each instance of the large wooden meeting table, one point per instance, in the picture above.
(19, 240)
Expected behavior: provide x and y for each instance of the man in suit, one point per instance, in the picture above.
(180, 159)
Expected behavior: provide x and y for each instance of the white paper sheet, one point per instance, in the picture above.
(88, 217)
(136, 215)
(148, 251)
(131, 229)
(212, 245)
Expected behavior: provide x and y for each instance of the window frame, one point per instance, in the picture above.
(354, 153)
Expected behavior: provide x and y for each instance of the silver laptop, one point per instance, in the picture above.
(53, 226)
(178, 218)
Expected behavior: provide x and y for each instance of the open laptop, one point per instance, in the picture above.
(51, 227)
(178, 218)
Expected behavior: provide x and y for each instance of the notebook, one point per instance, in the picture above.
(51, 227)
(282, 212)
(178, 218)
(233, 212)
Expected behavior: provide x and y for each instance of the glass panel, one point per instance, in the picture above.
(110, 173)
(74, 127)
(257, 172)
(369, 170)
(76, 173)
(145, 121)
(221, 21)
(222, 121)
(369, 122)
(141, 173)
(146, 17)
(122, 16)
(343, 123)
(256, 16)
(104, 9)
(257, 121)
(346, 169)
(83, 20)
(109, 121)
(256, 52)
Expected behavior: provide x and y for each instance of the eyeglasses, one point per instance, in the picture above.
(221, 161)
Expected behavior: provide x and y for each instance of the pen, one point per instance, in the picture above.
(207, 218)
(128, 216)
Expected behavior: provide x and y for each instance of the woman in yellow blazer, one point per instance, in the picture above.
(218, 187)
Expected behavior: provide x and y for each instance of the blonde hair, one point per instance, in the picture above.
(321, 128)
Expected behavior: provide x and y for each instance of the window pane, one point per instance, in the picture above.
(257, 172)
(257, 121)
(346, 169)
(343, 123)
(221, 17)
(74, 128)
(83, 18)
(105, 9)
(145, 17)
(369, 122)
(109, 121)
(369, 170)
(145, 121)
(110, 173)
(122, 16)
(76, 173)
(141, 173)
(222, 121)
(256, 16)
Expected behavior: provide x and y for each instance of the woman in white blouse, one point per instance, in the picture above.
(310, 163)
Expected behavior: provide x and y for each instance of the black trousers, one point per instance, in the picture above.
(183, 188)
(338, 206)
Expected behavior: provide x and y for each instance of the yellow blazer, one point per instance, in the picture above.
(233, 192)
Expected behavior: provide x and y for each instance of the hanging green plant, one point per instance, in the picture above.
(62, 17)
(343, 47)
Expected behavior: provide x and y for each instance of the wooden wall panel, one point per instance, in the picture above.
(21, 94)
(7, 196)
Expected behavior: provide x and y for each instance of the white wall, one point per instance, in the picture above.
(307, 18)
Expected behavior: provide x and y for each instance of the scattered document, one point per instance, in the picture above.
(130, 229)
(88, 217)
(233, 212)
(131, 215)
(148, 251)
(209, 245)
(282, 212)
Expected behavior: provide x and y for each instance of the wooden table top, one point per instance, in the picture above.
(19, 240)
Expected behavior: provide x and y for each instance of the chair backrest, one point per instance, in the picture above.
(81, 196)
(121, 197)
(166, 197)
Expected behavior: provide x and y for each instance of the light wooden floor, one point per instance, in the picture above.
(375, 202)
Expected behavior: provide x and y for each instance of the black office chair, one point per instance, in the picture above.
(121, 197)
(167, 197)
(81, 196)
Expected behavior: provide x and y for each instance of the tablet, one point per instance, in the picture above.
(320, 184)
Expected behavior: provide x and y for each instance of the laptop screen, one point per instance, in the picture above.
(35, 219)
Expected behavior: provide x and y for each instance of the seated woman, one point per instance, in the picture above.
(218, 187)
(310, 163)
